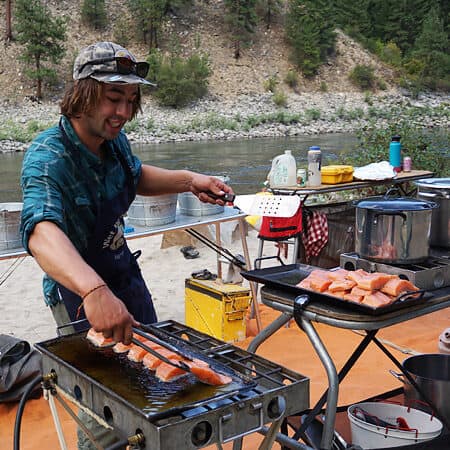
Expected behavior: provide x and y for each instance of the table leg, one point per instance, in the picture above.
(249, 266)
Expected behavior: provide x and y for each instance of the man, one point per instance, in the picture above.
(78, 180)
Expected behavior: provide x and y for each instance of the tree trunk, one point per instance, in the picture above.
(8, 34)
(237, 49)
(39, 78)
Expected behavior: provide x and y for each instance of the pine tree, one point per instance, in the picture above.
(310, 31)
(271, 9)
(150, 17)
(241, 16)
(352, 16)
(93, 13)
(43, 38)
(432, 46)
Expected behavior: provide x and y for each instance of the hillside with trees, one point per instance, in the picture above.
(228, 47)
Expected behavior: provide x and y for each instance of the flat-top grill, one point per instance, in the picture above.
(184, 414)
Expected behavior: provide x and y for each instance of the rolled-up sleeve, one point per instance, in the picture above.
(41, 192)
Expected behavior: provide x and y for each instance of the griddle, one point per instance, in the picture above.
(185, 414)
(134, 383)
(286, 277)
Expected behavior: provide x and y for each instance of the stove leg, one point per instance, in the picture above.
(268, 331)
(51, 401)
(268, 441)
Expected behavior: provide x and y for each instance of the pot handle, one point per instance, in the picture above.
(393, 192)
(391, 213)
(435, 195)
(397, 375)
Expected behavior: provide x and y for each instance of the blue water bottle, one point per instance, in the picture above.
(395, 149)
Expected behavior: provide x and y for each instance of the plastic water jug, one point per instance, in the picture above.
(284, 170)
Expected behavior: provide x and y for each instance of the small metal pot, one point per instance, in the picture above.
(431, 373)
(437, 190)
(393, 230)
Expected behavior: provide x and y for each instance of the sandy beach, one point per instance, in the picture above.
(25, 315)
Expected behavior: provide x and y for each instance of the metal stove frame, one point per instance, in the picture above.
(429, 274)
(305, 313)
(277, 392)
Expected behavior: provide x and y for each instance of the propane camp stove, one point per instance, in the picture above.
(434, 272)
(183, 414)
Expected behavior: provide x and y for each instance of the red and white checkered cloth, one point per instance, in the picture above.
(315, 237)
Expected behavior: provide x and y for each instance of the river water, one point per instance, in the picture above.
(245, 162)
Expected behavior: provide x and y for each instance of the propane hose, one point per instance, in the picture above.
(20, 409)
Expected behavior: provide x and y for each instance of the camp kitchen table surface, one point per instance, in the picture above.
(182, 222)
(398, 181)
(341, 318)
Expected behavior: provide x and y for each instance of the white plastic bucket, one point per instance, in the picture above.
(9, 225)
(153, 211)
(370, 436)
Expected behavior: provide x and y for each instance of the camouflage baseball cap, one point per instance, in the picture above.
(109, 63)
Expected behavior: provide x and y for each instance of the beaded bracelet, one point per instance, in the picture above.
(85, 295)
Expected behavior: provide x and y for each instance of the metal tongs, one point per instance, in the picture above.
(179, 364)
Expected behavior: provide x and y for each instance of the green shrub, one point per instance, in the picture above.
(391, 54)
(271, 83)
(132, 125)
(427, 150)
(363, 77)
(179, 80)
(323, 86)
(291, 78)
(312, 114)
(279, 98)
(93, 13)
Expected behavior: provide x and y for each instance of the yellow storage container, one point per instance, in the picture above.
(336, 174)
(216, 309)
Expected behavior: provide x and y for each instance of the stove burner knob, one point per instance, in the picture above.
(276, 407)
(201, 433)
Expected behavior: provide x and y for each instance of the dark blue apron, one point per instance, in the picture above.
(108, 253)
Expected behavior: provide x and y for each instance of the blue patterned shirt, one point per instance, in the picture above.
(55, 189)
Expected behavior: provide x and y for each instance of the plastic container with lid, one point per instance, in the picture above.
(314, 165)
(284, 171)
(336, 174)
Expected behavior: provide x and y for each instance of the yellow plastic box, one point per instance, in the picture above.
(216, 309)
(336, 174)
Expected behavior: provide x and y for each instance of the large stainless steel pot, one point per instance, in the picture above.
(437, 190)
(431, 373)
(393, 230)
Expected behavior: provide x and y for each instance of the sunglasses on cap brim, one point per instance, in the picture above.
(124, 66)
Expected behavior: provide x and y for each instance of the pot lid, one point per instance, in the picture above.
(436, 183)
(395, 204)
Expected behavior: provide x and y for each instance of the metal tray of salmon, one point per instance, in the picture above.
(286, 278)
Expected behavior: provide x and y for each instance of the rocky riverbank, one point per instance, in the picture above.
(250, 116)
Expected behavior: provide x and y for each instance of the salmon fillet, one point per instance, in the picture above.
(377, 299)
(338, 274)
(320, 284)
(362, 292)
(120, 347)
(341, 285)
(373, 281)
(207, 375)
(353, 297)
(97, 339)
(137, 353)
(397, 286)
(152, 362)
(165, 372)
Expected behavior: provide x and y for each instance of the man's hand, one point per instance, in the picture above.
(107, 314)
(202, 184)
